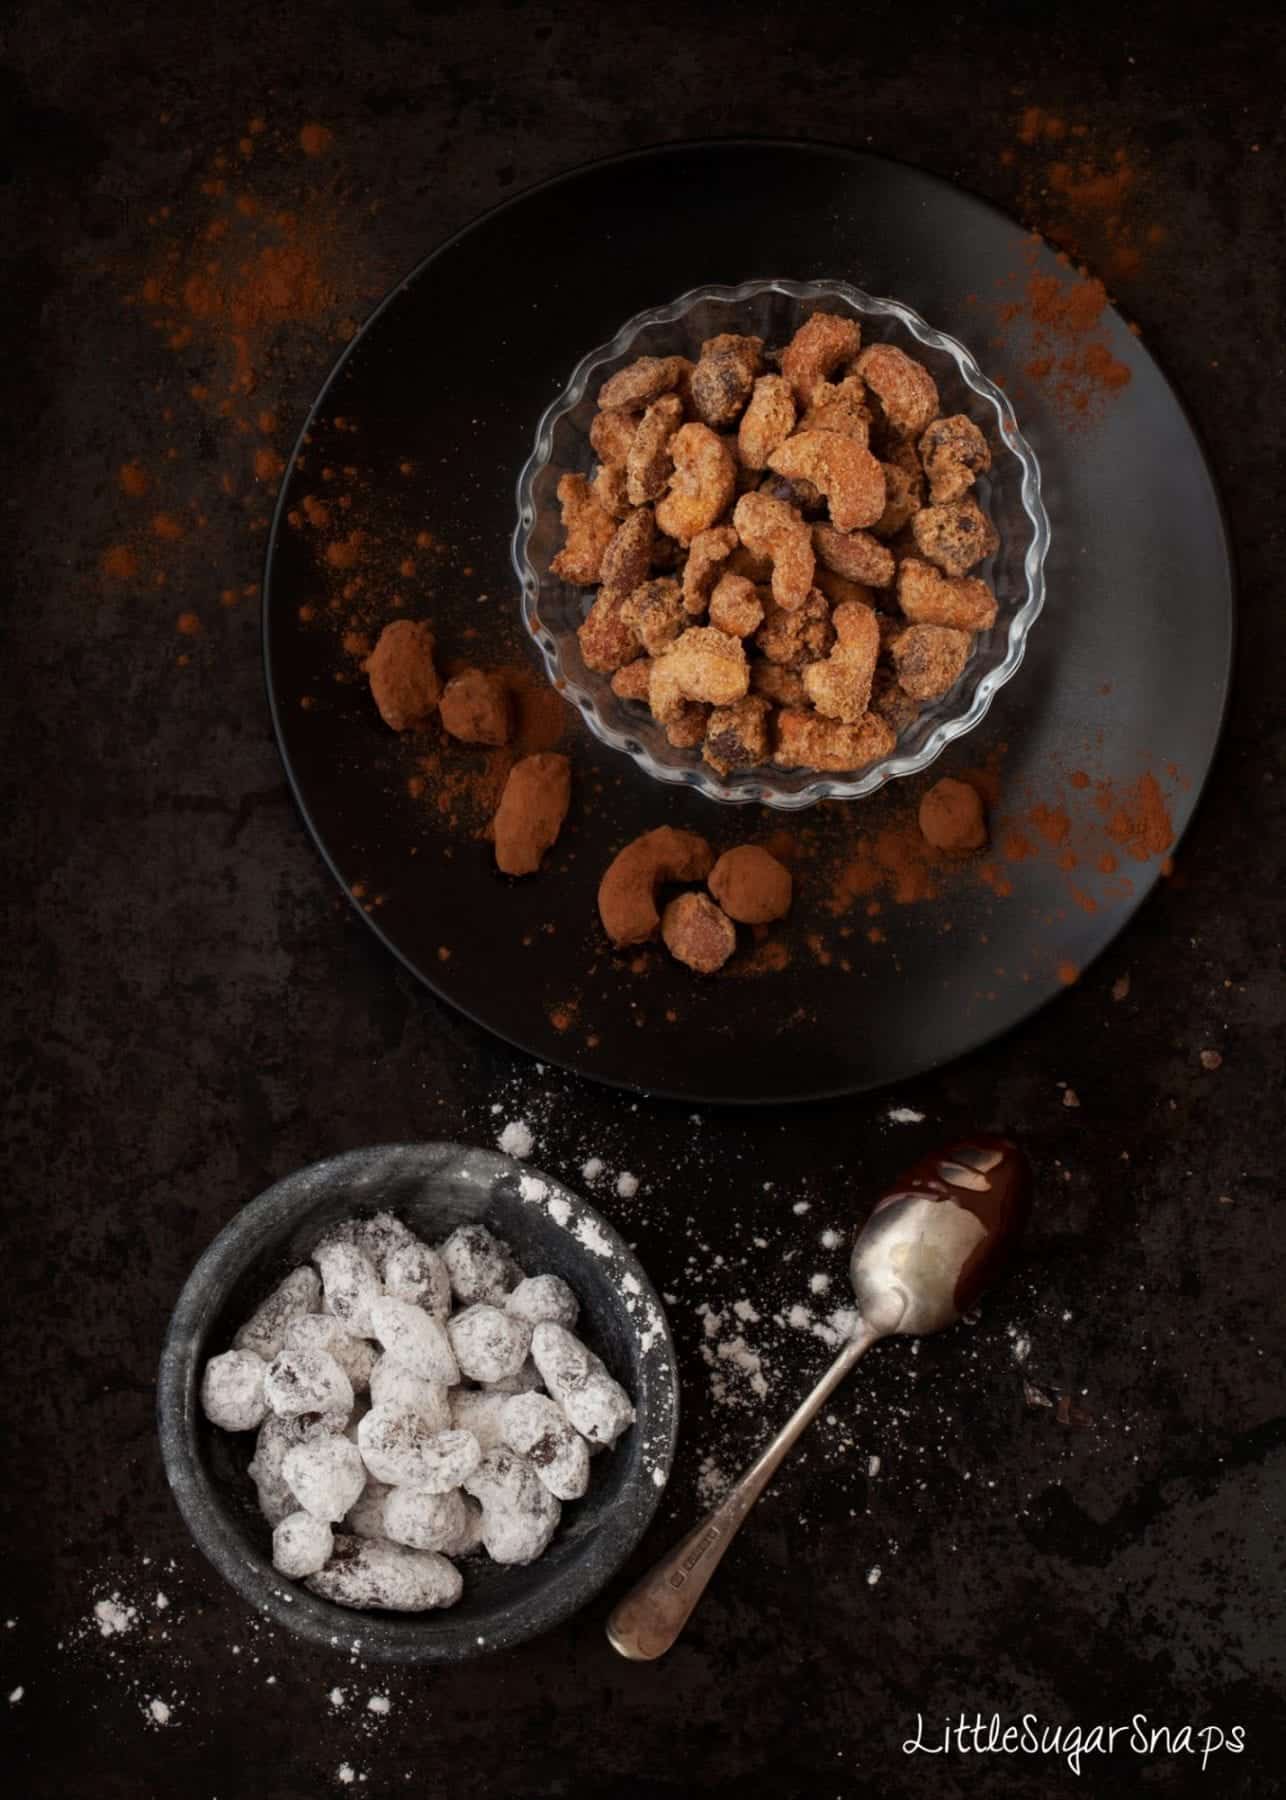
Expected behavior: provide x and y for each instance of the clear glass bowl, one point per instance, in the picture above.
(774, 310)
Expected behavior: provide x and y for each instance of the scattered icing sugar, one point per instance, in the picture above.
(627, 1185)
(801, 1207)
(658, 1477)
(516, 1139)
(559, 1210)
(872, 1466)
(159, 1711)
(745, 1312)
(115, 1616)
(830, 1240)
(904, 1115)
(15, 1694)
(161, 1603)
(346, 1773)
(381, 1704)
(873, 1575)
(818, 1284)
(336, 1696)
(591, 1170)
(591, 1235)
(531, 1188)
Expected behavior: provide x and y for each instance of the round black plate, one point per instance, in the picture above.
(1127, 669)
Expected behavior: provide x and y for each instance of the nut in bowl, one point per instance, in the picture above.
(354, 1427)
(780, 561)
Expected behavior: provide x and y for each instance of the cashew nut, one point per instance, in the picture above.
(702, 484)
(648, 466)
(642, 381)
(928, 597)
(766, 422)
(840, 687)
(709, 551)
(804, 740)
(627, 892)
(905, 389)
(823, 344)
(589, 531)
(954, 453)
(841, 468)
(773, 529)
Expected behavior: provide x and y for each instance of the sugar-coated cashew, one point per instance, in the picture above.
(606, 641)
(649, 465)
(628, 557)
(536, 1427)
(929, 659)
(610, 436)
(856, 555)
(697, 932)
(840, 406)
(232, 1393)
(839, 467)
(589, 531)
(928, 597)
(806, 740)
(824, 343)
(627, 892)
(708, 665)
(907, 393)
(709, 551)
(642, 381)
(655, 613)
(773, 529)
(955, 536)
(735, 606)
(723, 378)
(264, 1331)
(519, 1514)
(701, 486)
(840, 687)
(954, 453)
(766, 422)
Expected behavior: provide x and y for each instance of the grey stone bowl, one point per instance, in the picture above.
(434, 1188)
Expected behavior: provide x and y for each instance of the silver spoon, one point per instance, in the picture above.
(925, 1254)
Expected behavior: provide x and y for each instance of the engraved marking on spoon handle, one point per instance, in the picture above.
(648, 1620)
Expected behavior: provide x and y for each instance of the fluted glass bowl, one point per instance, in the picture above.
(774, 310)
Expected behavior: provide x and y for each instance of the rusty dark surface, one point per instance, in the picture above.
(191, 1011)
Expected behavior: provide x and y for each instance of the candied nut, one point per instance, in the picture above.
(397, 1446)
(368, 1572)
(955, 536)
(901, 500)
(301, 1545)
(393, 1384)
(404, 683)
(773, 529)
(780, 685)
(709, 551)
(655, 613)
(611, 489)
(264, 1331)
(366, 1518)
(627, 892)
(611, 434)
(322, 1331)
(535, 1427)
(232, 1393)
(326, 1476)
(807, 741)
(649, 465)
(840, 406)
(642, 381)
(840, 687)
(952, 816)
(596, 1405)
(954, 453)
(480, 1266)
(735, 606)
(489, 1343)
(277, 1437)
(307, 1381)
(855, 555)
(907, 393)
(538, 1297)
(476, 708)
(524, 1381)
(722, 380)
(415, 1339)
(632, 682)
(349, 1283)
(736, 737)
(628, 557)
(802, 495)
(750, 563)
(795, 637)
(423, 1520)
(930, 658)
(606, 641)
(839, 467)
(701, 486)
(414, 1272)
(709, 665)
(479, 1412)
(767, 421)
(824, 343)
(751, 886)
(532, 808)
(838, 589)
(928, 597)
(686, 727)
(519, 1514)
(375, 1237)
(891, 701)
(589, 530)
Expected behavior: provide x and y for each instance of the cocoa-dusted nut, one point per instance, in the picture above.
(633, 681)
(589, 530)
(628, 557)
(954, 453)
(907, 393)
(840, 406)
(736, 736)
(699, 933)
(701, 486)
(824, 344)
(839, 467)
(929, 659)
(807, 741)
(751, 885)
(856, 555)
(404, 683)
(771, 528)
(955, 536)
(952, 816)
(642, 381)
(627, 892)
(928, 597)
(531, 811)
(476, 708)
(766, 422)
(607, 641)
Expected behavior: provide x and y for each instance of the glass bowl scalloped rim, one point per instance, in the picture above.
(749, 786)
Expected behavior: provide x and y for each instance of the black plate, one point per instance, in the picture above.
(1127, 669)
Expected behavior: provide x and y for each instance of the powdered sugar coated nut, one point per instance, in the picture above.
(526, 1381)
(595, 1403)
(479, 1413)
(349, 1284)
(489, 1344)
(398, 1446)
(375, 1237)
(537, 1428)
(480, 1266)
(393, 1384)
(301, 1544)
(424, 1520)
(232, 1390)
(414, 1272)
(538, 1297)
(264, 1331)
(277, 1438)
(367, 1572)
(415, 1339)
(519, 1514)
(326, 1476)
(323, 1331)
(366, 1518)
(469, 1536)
(307, 1381)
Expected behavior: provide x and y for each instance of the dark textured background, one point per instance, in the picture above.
(191, 1011)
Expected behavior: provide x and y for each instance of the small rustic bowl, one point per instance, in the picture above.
(774, 310)
(434, 1188)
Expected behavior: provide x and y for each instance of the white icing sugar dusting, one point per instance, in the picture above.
(517, 1139)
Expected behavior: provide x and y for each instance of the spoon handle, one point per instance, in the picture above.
(650, 1617)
